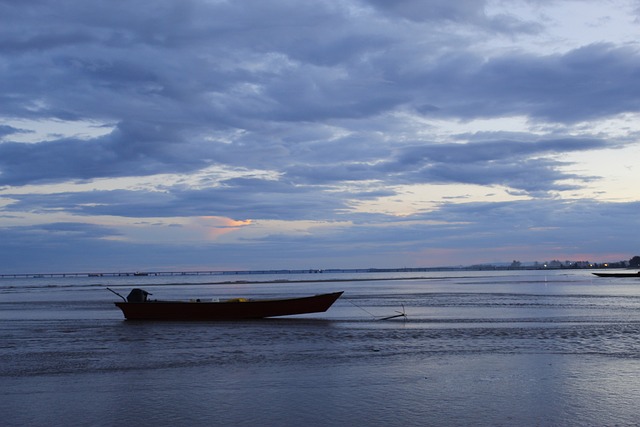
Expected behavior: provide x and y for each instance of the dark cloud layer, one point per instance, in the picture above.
(310, 110)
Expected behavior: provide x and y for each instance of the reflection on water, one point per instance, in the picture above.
(513, 348)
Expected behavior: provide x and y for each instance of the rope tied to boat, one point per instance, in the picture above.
(394, 316)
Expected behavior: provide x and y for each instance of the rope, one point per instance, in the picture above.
(356, 305)
(379, 317)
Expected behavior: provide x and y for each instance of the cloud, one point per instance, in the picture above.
(484, 232)
(10, 130)
(590, 82)
(54, 234)
(171, 66)
(281, 111)
(313, 191)
(515, 164)
(237, 199)
(520, 165)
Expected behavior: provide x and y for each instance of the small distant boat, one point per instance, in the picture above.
(137, 306)
(618, 274)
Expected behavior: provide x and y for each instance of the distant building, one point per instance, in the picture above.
(582, 264)
(554, 264)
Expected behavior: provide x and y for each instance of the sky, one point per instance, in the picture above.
(241, 135)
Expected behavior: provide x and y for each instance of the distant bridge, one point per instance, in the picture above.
(214, 272)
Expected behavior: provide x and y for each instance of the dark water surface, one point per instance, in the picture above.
(549, 348)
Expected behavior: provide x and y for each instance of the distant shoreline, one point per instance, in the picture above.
(306, 271)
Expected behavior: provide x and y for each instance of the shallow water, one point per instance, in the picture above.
(476, 348)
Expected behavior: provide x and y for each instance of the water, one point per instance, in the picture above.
(548, 348)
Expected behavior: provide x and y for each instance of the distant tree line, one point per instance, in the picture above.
(632, 263)
(555, 264)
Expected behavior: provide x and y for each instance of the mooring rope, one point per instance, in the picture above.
(401, 314)
(356, 305)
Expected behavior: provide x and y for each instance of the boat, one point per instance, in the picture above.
(618, 274)
(137, 306)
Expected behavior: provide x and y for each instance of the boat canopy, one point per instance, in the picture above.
(137, 295)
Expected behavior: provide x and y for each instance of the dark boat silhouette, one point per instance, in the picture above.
(137, 306)
(618, 274)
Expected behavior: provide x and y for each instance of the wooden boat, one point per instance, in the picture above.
(618, 274)
(138, 307)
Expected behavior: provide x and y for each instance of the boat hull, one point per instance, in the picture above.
(618, 274)
(226, 310)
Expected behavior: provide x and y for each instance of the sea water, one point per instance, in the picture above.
(493, 348)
